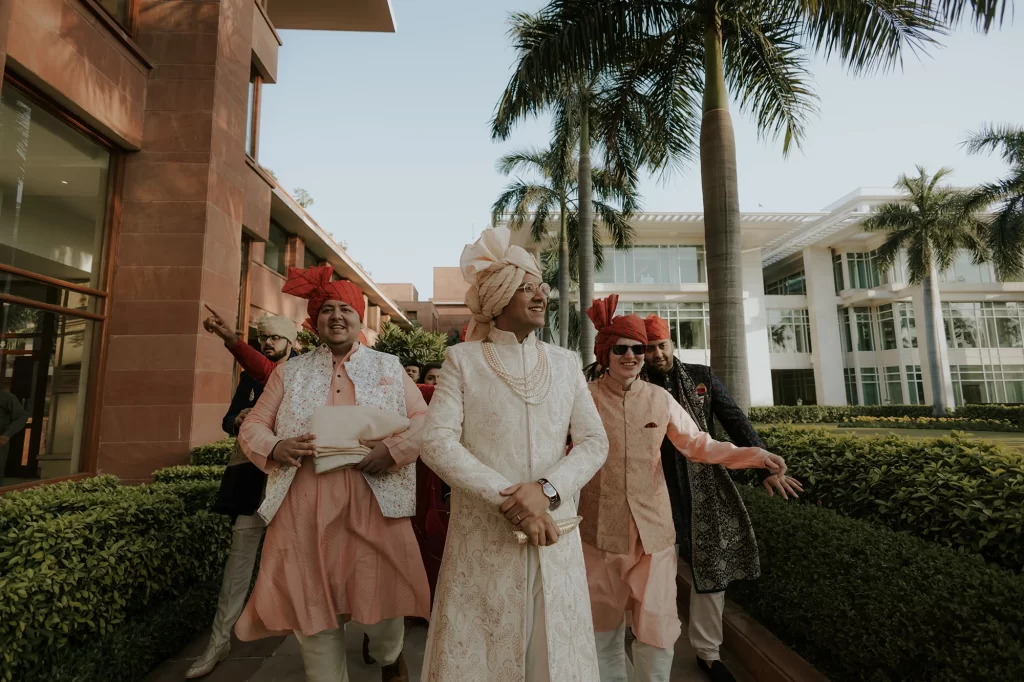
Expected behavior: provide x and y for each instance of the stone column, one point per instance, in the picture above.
(168, 383)
(826, 344)
(758, 358)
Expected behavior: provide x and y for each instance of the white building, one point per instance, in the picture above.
(824, 325)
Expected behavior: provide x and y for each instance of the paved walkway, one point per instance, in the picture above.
(278, 660)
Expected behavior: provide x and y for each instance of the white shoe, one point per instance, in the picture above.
(209, 659)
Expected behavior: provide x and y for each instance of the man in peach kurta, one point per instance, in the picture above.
(627, 529)
(340, 544)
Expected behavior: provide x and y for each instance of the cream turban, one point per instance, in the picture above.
(275, 325)
(494, 270)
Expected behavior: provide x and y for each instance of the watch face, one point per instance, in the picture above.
(549, 490)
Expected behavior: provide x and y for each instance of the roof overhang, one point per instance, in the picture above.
(293, 218)
(372, 16)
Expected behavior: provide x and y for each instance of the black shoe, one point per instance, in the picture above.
(367, 658)
(716, 670)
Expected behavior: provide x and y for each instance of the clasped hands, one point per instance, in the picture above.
(290, 452)
(527, 507)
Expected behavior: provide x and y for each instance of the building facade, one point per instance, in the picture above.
(825, 325)
(131, 196)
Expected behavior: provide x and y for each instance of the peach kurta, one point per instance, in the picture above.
(627, 524)
(329, 550)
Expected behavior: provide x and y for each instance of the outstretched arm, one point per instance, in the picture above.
(442, 448)
(699, 446)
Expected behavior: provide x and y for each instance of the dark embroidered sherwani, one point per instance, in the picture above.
(713, 529)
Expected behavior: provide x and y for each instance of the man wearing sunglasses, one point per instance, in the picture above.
(719, 525)
(627, 530)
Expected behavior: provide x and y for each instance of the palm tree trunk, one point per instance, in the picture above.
(722, 222)
(564, 300)
(932, 314)
(586, 217)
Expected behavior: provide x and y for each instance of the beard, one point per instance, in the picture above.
(275, 356)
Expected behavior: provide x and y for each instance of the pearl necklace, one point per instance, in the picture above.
(534, 387)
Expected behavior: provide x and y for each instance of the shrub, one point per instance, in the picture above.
(88, 562)
(189, 472)
(1011, 413)
(214, 453)
(938, 423)
(417, 345)
(863, 603)
(962, 492)
(831, 414)
(128, 652)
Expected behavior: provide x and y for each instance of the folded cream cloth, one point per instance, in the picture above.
(339, 428)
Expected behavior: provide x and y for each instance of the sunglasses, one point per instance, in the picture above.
(620, 349)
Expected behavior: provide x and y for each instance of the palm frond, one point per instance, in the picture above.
(984, 14)
(1006, 139)
(870, 35)
(766, 66)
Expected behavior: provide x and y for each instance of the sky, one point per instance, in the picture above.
(389, 133)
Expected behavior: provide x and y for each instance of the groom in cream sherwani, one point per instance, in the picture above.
(496, 433)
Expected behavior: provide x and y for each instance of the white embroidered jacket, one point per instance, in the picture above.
(481, 437)
(378, 381)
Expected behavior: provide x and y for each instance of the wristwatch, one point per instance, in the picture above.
(549, 491)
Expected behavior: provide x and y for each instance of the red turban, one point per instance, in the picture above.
(611, 329)
(315, 285)
(657, 328)
(462, 334)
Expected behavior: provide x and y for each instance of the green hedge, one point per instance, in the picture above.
(1011, 413)
(189, 472)
(963, 492)
(127, 653)
(933, 423)
(831, 414)
(863, 603)
(78, 560)
(214, 453)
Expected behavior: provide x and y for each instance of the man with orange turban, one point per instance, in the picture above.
(339, 542)
(716, 535)
(627, 531)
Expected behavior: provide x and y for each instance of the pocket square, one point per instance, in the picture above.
(650, 425)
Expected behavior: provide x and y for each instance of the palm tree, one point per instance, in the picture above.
(555, 187)
(679, 52)
(1005, 232)
(932, 225)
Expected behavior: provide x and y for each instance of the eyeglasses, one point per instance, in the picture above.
(621, 348)
(263, 339)
(530, 288)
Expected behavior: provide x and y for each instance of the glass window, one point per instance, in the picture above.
(845, 333)
(53, 193)
(915, 384)
(987, 383)
(647, 265)
(893, 385)
(865, 336)
(863, 268)
(908, 330)
(252, 123)
(310, 259)
(837, 271)
(54, 183)
(653, 265)
(44, 363)
(789, 331)
(794, 284)
(850, 378)
(793, 387)
(963, 325)
(869, 386)
(964, 270)
(118, 9)
(688, 322)
(276, 248)
(887, 327)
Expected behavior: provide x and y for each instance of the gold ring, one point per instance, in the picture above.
(517, 518)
